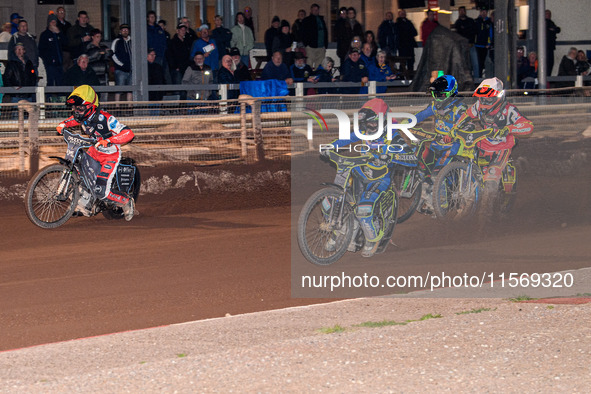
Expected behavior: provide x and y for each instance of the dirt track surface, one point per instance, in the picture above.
(204, 251)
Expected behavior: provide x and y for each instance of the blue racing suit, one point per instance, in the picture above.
(445, 119)
(375, 180)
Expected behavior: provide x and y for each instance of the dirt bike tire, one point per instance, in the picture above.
(41, 205)
(116, 213)
(446, 202)
(407, 206)
(312, 240)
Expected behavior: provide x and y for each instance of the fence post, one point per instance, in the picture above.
(21, 138)
(258, 131)
(224, 96)
(371, 88)
(33, 129)
(243, 129)
(579, 81)
(40, 97)
(299, 90)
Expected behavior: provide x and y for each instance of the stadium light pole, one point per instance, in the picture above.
(139, 51)
(504, 30)
(542, 55)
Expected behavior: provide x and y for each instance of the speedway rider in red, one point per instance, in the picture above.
(495, 112)
(107, 151)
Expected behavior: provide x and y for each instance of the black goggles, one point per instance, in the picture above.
(487, 100)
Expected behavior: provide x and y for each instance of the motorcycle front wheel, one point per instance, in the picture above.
(51, 196)
(408, 188)
(454, 195)
(322, 238)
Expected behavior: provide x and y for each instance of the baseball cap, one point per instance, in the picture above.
(234, 52)
(204, 26)
(15, 16)
(124, 26)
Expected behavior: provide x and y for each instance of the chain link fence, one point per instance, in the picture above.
(244, 130)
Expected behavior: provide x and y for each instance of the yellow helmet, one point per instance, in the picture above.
(84, 102)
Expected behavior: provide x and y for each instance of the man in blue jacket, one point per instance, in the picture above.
(157, 40)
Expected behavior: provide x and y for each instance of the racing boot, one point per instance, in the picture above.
(129, 209)
(369, 249)
(426, 205)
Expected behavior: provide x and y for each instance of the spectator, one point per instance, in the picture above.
(551, 31)
(5, 35)
(227, 75)
(315, 36)
(121, 48)
(81, 74)
(355, 43)
(354, 70)
(284, 43)
(62, 23)
(380, 71)
(370, 39)
(464, 26)
(179, 53)
(222, 36)
(276, 69)
(483, 40)
(522, 66)
(98, 57)
(20, 72)
(582, 64)
(240, 69)
(340, 34)
(191, 35)
(249, 20)
(50, 51)
(79, 35)
(352, 29)
(428, 26)
(567, 65)
(406, 39)
(366, 55)
(208, 47)
(64, 26)
(155, 76)
(162, 24)
(242, 38)
(156, 39)
(532, 70)
(15, 18)
(198, 73)
(28, 40)
(387, 35)
(300, 71)
(324, 73)
(270, 35)
(296, 28)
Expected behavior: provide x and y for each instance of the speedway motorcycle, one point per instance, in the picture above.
(59, 191)
(328, 227)
(459, 190)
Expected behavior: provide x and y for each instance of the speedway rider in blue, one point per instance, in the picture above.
(447, 109)
(375, 173)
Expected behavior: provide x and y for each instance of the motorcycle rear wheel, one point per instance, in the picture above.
(117, 212)
(43, 205)
(321, 241)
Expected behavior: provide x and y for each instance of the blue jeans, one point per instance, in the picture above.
(122, 78)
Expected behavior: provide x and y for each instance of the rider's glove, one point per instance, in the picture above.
(502, 132)
(102, 143)
(60, 127)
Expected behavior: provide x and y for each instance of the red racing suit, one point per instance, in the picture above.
(497, 149)
(104, 126)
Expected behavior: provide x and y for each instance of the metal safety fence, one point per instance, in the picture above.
(244, 130)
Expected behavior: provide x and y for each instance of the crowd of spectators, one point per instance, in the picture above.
(75, 54)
